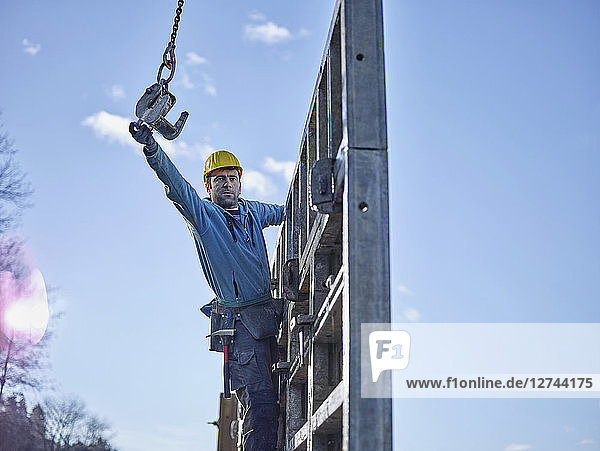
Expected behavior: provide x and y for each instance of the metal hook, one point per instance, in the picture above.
(154, 105)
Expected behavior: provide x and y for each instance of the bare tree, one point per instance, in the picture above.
(37, 421)
(19, 362)
(11, 257)
(17, 427)
(15, 190)
(60, 423)
(96, 431)
(22, 365)
(70, 426)
(63, 417)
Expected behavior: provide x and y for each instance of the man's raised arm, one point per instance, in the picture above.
(177, 188)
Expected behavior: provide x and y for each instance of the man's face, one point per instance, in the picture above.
(224, 188)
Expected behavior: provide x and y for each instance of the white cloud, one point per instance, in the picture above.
(209, 85)
(587, 442)
(412, 314)
(257, 16)
(115, 128)
(404, 290)
(179, 148)
(285, 168)
(269, 33)
(185, 81)
(117, 92)
(303, 33)
(256, 183)
(516, 447)
(111, 127)
(193, 59)
(30, 47)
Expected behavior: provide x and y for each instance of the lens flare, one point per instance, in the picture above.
(24, 308)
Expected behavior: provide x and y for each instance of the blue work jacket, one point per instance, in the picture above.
(232, 251)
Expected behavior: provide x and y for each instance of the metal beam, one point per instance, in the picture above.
(342, 252)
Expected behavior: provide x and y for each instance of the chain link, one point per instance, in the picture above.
(176, 21)
(169, 53)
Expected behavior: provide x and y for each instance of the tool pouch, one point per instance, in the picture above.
(263, 319)
(218, 323)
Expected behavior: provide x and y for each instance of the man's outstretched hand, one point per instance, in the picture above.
(143, 135)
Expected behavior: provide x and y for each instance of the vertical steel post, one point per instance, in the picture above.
(366, 234)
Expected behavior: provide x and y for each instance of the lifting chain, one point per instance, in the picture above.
(168, 60)
(157, 101)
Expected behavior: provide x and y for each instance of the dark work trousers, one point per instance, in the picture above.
(251, 378)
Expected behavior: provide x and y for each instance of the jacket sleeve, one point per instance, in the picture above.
(178, 190)
(269, 214)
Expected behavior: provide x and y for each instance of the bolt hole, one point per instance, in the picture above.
(363, 207)
(360, 57)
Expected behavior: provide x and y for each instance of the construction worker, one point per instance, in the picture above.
(227, 232)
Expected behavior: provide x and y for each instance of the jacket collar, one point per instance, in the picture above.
(241, 206)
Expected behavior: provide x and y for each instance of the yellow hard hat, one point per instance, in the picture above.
(221, 159)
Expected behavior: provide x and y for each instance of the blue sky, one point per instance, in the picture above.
(493, 126)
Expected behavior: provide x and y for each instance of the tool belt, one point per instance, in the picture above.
(261, 319)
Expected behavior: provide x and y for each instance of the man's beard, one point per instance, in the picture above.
(226, 201)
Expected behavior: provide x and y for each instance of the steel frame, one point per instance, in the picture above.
(332, 260)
